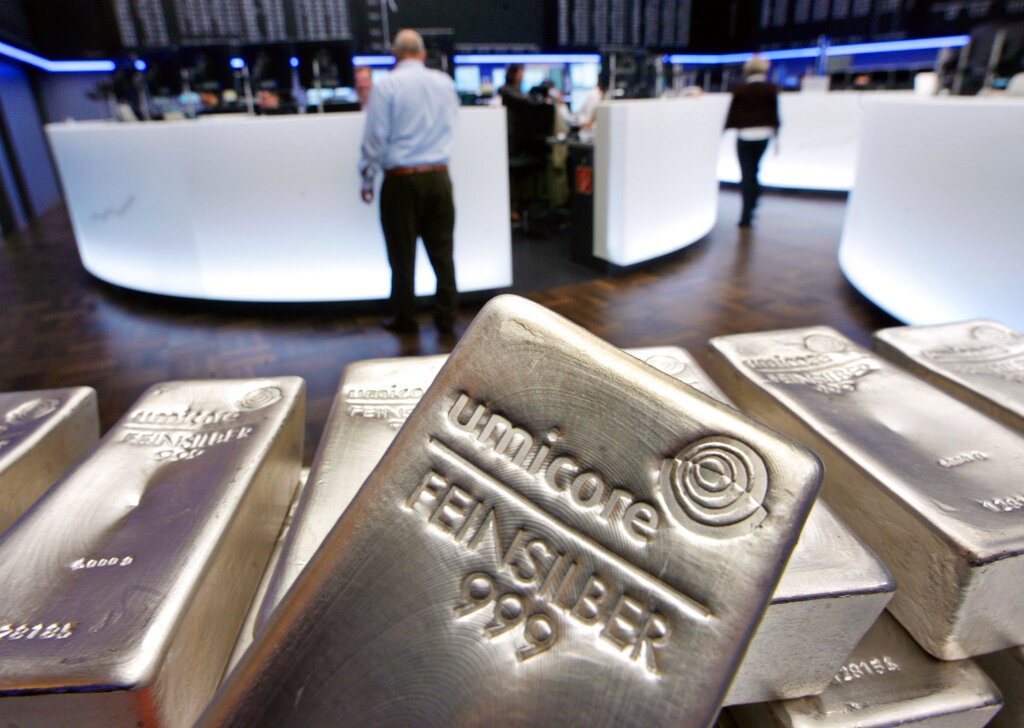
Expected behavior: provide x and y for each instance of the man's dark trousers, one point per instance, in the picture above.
(414, 205)
(749, 154)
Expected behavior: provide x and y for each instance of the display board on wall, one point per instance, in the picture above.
(788, 22)
(162, 23)
(588, 24)
(370, 24)
(842, 20)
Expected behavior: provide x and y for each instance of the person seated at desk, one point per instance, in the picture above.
(530, 122)
(511, 92)
(267, 101)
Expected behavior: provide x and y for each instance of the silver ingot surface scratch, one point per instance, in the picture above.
(887, 681)
(1006, 668)
(42, 434)
(374, 399)
(980, 362)
(126, 584)
(832, 590)
(911, 469)
(518, 556)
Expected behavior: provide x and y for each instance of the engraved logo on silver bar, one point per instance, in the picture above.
(587, 489)
(33, 410)
(999, 353)
(393, 404)
(671, 365)
(188, 433)
(716, 486)
(260, 398)
(15, 420)
(829, 366)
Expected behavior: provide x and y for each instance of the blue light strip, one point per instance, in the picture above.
(54, 66)
(466, 59)
(79, 66)
(373, 60)
(949, 41)
(889, 46)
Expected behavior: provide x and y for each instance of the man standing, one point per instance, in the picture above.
(409, 127)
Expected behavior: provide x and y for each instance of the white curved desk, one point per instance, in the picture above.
(655, 189)
(934, 228)
(265, 208)
(818, 141)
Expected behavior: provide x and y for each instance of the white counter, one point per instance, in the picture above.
(934, 227)
(265, 209)
(818, 141)
(655, 189)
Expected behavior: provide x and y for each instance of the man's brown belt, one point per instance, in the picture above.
(415, 169)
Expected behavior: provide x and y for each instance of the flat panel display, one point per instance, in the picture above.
(590, 24)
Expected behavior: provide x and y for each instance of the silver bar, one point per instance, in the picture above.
(126, 584)
(888, 681)
(373, 400)
(914, 471)
(522, 552)
(42, 434)
(832, 590)
(980, 362)
(1006, 668)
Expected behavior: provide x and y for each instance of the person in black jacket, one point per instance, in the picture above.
(754, 113)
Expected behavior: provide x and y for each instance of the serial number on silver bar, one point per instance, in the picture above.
(888, 680)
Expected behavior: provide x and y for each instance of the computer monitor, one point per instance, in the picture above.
(467, 79)
(584, 75)
(270, 65)
(162, 72)
(534, 76)
(331, 60)
(578, 97)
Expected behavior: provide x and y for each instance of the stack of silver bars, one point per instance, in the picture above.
(537, 530)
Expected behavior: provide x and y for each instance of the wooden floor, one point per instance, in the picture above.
(61, 327)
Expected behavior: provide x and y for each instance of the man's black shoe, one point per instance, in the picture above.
(401, 326)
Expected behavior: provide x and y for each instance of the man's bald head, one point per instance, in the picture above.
(409, 44)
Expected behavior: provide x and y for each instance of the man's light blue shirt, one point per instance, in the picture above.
(410, 119)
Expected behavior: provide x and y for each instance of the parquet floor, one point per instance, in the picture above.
(61, 327)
